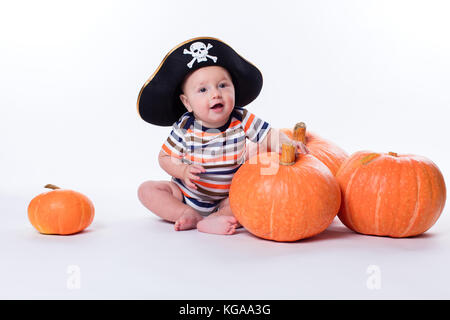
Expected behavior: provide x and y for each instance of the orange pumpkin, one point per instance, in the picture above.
(389, 194)
(283, 198)
(326, 151)
(60, 211)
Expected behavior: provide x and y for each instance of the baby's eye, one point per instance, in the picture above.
(202, 90)
(222, 85)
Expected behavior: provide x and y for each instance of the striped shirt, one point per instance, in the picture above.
(220, 151)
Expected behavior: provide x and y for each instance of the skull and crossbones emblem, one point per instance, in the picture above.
(199, 52)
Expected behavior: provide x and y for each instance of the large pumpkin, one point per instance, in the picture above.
(60, 211)
(390, 194)
(324, 150)
(284, 199)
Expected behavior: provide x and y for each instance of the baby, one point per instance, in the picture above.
(207, 144)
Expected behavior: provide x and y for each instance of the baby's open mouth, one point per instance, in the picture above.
(217, 106)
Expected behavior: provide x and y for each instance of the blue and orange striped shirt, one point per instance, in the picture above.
(221, 151)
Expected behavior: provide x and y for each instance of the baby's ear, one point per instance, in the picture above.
(185, 101)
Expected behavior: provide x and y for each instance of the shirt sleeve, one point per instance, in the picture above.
(255, 128)
(175, 145)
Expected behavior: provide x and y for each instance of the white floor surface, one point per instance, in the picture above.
(128, 253)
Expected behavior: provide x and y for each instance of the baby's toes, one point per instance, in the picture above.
(181, 223)
(231, 229)
(233, 221)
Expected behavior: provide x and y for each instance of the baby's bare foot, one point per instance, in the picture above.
(218, 225)
(188, 220)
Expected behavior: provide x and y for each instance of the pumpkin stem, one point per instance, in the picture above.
(51, 186)
(300, 132)
(287, 154)
(394, 154)
(369, 158)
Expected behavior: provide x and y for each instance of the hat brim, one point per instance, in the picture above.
(158, 101)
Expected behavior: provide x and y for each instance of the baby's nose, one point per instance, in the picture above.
(215, 93)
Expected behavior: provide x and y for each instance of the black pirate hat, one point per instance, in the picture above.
(159, 103)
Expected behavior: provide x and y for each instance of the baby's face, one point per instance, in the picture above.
(209, 93)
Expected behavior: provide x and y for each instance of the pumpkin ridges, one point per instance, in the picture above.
(280, 192)
(378, 183)
(414, 212)
(325, 157)
(82, 218)
(394, 206)
(383, 195)
(49, 215)
(401, 213)
(90, 208)
(271, 219)
(320, 206)
(290, 220)
(42, 219)
(354, 171)
(68, 218)
(429, 206)
(356, 206)
(424, 190)
(410, 200)
(45, 216)
(328, 153)
(378, 197)
(34, 209)
(284, 220)
(379, 193)
(59, 216)
(347, 219)
(291, 178)
(245, 193)
(261, 205)
(78, 203)
(440, 185)
(323, 178)
(426, 199)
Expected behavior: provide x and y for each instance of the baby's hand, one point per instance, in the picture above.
(190, 174)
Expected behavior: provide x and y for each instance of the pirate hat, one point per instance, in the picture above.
(159, 103)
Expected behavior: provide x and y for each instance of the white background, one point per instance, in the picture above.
(371, 75)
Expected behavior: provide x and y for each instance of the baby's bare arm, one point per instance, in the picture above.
(172, 165)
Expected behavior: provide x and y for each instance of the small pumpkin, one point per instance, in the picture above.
(388, 194)
(284, 198)
(324, 150)
(60, 211)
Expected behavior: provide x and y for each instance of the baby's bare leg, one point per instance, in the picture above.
(164, 199)
(220, 222)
